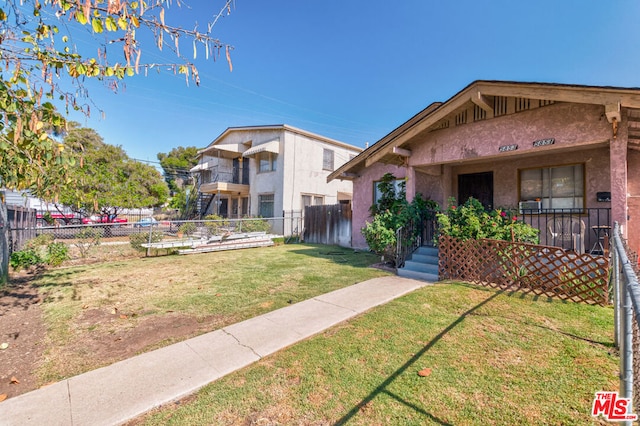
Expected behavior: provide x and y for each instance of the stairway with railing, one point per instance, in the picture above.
(416, 254)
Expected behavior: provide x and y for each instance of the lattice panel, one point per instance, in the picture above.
(542, 270)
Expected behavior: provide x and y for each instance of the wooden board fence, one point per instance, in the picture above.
(541, 270)
(328, 224)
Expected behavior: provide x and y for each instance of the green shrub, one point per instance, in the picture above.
(380, 237)
(136, 240)
(255, 225)
(187, 228)
(57, 253)
(39, 251)
(39, 241)
(25, 259)
(392, 212)
(472, 221)
(215, 223)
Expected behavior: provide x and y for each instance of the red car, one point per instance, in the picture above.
(57, 218)
(103, 219)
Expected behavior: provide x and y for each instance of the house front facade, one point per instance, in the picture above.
(267, 170)
(564, 156)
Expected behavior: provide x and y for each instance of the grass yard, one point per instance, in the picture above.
(102, 312)
(490, 358)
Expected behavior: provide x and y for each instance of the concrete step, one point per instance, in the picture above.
(417, 275)
(424, 258)
(423, 265)
(428, 268)
(427, 250)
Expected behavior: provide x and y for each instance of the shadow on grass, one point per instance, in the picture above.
(337, 254)
(382, 388)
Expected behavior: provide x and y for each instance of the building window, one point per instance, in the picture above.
(265, 205)
(312, 200)
(398, 185)
(266, 161)
(327, 159)
(554, 187)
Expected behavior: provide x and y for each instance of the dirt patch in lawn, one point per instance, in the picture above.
(106, 337)
(102, 336)
(21, 335)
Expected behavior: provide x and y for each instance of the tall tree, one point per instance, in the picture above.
(106, 180)
(37, 50)
(176, 165)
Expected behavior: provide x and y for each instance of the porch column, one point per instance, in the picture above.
(410, 187)
(618, 167)
(447, 185)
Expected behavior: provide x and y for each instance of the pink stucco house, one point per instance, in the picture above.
(550, 150)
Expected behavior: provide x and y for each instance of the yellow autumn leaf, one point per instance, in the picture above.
(96, 24)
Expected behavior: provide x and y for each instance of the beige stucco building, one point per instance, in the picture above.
(267, 170)
(549, 150)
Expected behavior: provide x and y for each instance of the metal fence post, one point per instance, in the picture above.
(615, 266)
(629, 299)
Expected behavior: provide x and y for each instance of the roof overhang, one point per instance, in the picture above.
(234, 150)
(199, 167)
(389, 148)
(272, 146)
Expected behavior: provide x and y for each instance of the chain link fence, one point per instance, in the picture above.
(289, 226)
(626, 299)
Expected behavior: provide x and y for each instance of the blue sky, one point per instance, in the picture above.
(355, 70)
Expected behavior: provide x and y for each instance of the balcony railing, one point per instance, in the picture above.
(237, 175)
(580, 230)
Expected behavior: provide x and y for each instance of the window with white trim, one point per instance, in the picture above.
(554, 187)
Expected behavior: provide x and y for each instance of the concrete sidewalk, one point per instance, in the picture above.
(122, 391)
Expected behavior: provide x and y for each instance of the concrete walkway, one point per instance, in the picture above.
(122, 391)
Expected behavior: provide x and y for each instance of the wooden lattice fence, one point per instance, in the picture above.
(542, 270)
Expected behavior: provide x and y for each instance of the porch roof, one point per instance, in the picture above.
(390, 149)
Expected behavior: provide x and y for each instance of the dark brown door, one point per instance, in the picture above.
(478, 186)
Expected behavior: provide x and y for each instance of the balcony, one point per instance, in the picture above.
(221, 182)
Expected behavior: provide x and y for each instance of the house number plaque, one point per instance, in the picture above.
(507, 148)
(544, 142)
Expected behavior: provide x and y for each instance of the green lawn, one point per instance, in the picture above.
(111, 299)
(494, 358)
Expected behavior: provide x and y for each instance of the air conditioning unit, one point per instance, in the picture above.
(530, 207)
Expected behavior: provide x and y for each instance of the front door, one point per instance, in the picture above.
(478, 186)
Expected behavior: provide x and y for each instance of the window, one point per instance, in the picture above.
(327, 159)
(555, 187)
(312, 200)
(398, 185)
(265, 205)
(266, 161)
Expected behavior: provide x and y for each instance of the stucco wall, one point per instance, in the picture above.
(303, 173)
(581, 135)
(570, 125)
(363, 198)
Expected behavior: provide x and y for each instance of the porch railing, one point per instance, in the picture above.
(413, 235)
(235, 175)
(579, 230)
